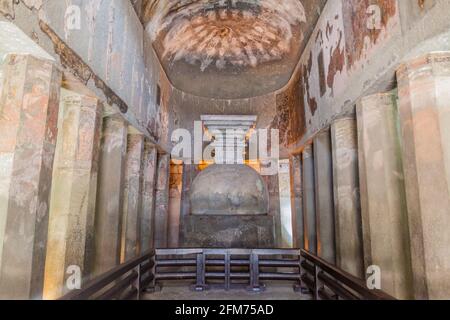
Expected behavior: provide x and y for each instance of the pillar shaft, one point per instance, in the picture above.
(424, 104)
(132, 197)
(28, 130)
(296, 201)
(309, 205)
(190, 172)
(273, 186)
(72, 209)
(323, 168)
(162, 202)
(110, 194)
(383, 200)
(148, 197)
(176, 178)
(349, 247)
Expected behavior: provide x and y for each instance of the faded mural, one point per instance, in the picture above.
(343, 41)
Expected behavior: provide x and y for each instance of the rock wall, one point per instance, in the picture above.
(101, 44)
(354, 51)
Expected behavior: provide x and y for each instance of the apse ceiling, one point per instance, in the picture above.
(230, 48)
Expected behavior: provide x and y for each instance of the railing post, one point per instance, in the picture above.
(317, 283)
(298, 286)
(201, 277)
(138, 282)
(255, 286)
(151, 288)
(227, 271)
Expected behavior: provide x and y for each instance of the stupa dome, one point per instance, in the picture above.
(229, 190)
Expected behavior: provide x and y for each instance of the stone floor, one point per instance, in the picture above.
(273, 292)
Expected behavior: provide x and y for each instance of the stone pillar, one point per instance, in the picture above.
(132, 196)
(424, 104)
(176, 177)
(108, 220)
(190, 172)
(383, 201)
(272, 182)
(284, 181)
(162, 202)
(323, 169)
(148, 197)
(309, 202)
(349, 246)
(28, 130)
(72, 208)
(296, 201)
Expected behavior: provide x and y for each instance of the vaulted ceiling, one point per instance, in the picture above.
(230, 48)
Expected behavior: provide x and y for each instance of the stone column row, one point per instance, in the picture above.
(391, 185)
(77, 194)
(125, 215)
(405, 180)
(74, 188)
(28, 130)
(424, 108)
(325, 198)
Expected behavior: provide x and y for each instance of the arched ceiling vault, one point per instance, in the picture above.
(230, 48)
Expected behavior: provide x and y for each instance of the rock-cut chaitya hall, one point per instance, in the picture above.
(224, 149)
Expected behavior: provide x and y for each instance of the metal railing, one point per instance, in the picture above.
(328, 282)
(125, 282)
(254, 268)
(228, 269)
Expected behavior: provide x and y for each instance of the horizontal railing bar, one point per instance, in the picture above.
(279, 263)
(279, 276)
(119, 287)
(175, 275)
(169, 252)
(336, 287)
(176, 263)
(239, 275)
(215, 275)
(192, 262)
(233, 275)
(235, 262)
(271, 252)
(217, 251)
